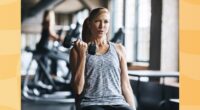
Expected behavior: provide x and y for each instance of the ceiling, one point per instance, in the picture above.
(32, 10)
(68, 6)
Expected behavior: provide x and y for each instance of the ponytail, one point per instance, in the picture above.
(86, 31)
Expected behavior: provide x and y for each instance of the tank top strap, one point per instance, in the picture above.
(113, 49)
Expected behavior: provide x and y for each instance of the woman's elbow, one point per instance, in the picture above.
(78, 88)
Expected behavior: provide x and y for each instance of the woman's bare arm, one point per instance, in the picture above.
(52, 33)
(77, 62)
(125, 83)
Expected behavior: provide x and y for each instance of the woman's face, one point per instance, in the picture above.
(99, 26)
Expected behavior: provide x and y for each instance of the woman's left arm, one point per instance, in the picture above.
(125, 83)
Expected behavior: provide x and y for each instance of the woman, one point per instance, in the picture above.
(45, 45)
(100, 81)
(48, 31)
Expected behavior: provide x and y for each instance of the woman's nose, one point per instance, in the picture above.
(101, 25)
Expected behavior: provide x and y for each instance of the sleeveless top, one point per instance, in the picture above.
(43, 43)
(102, 80)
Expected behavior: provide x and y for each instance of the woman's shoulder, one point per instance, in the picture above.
(119, 47)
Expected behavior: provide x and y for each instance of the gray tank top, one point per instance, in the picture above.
(102, 80)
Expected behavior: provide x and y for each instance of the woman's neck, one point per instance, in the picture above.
(100, 41)
(102, 45)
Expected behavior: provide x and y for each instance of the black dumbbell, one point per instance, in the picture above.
(92, 48)
(74, 34)
(68, 43)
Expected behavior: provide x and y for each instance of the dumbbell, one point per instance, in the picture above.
(74, 35)
(68, 43)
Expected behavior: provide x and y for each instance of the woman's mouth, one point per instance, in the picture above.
(100, 31)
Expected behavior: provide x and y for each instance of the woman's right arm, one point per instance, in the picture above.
(52, 33)
(77, 62)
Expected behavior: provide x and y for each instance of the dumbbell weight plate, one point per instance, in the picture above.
(92, 49)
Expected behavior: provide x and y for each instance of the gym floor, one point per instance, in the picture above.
(34, 105)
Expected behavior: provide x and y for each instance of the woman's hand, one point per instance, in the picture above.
(81, 47)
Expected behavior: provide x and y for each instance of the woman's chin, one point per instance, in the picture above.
(100, 35)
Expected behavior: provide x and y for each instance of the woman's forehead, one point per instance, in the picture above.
(103, 11)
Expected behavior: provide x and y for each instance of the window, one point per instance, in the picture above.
(134, 16)
(143, 30)
(137, 29)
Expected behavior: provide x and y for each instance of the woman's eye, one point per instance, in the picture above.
(97, 21)
(106, 21)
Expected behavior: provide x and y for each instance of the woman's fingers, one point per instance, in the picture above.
(77, 42)
(80, 46)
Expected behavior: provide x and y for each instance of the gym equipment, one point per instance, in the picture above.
(46, 89)
(74, 35)
(119, 36)
(42, 86)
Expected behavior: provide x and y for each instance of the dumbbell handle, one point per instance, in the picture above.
(91, 47)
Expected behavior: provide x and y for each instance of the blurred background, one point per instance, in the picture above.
(147, 28)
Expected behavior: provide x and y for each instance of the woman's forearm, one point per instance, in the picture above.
(79, 79)
(128, 95)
